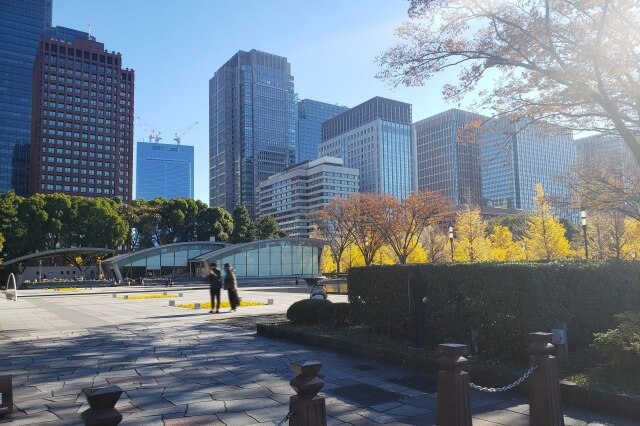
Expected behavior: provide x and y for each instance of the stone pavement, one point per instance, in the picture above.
(179, 369)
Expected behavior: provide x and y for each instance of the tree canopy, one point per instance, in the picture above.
(574, 63)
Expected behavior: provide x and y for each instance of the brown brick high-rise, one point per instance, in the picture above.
(82, 121)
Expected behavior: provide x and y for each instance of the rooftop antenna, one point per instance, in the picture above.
(89, 32)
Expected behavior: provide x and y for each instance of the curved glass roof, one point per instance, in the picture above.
(58, 252)
(243, 247)
(167, 248)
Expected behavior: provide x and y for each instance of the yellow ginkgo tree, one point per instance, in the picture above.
(545, 236)
(471, 245)
(503, 248)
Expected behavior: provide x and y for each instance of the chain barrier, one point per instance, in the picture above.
(281, 422)
(508, 387)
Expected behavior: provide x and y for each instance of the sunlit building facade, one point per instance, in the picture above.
(164, 170)
(252, 126)
(292, 196)
(376, 138)
(311, 115)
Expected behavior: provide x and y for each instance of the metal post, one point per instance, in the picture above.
(545, 406)
(102, 402)
(451, 236)
(306, 407)
(583, 222)
(6, 395)
(453, 407)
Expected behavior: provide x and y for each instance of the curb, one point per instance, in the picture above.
(487, 375)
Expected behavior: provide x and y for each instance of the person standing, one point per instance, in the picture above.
(231, 285)
(215, 284)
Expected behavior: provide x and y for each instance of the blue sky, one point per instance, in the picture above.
(176, 46)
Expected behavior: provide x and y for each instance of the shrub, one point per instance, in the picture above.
(502, 302)
(325, 314)
(306, 311)
(335, 314)
(621, 345)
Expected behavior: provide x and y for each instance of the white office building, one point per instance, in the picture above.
(290, 196)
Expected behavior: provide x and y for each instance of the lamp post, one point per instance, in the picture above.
(583, 222)
(451, 236)
(524, 248)
(40, 270)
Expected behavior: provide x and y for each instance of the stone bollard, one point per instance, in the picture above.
(269, 301)
(126, 296)
(102, 402)
(115, 295)
(545, 406)
(172, 303)
(196, 306)
(306, 407)
(453, 407)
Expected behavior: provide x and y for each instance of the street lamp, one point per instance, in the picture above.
(40, 270)
(524, 248)
(451, 236)
(583, 222)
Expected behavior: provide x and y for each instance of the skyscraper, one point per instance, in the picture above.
(545, 155)
(492, 162)
(164, 170)
(448, 156)
(375, 137)
(311, 115)
(252, 126)
(82, 134)
(21, 25)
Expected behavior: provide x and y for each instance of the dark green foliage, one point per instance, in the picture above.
(306, 311)
(334, 314)
(501, 301)
(267, 227)
(621, 345)
(244, 229)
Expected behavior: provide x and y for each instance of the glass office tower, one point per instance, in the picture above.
(21, 25)
(164, 170)
(252, 126)
(311, 115)
(375, 137)
(449, 156)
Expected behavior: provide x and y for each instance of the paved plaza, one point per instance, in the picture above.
(185, 367)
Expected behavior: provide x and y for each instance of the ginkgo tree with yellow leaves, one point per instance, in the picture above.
(471, 243)
(545, 236)
(503, 247)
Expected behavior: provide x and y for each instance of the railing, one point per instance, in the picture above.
(12, 294)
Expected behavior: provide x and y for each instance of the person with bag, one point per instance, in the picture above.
(231, 285)
(215, 284)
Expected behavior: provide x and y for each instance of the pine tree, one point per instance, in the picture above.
(545, 236)
(243, 227)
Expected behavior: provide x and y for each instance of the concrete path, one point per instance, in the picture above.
(180, 367)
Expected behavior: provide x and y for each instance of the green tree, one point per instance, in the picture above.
(214, 222)
(516, 223)
(1, 246)
(10, 226)
(99, 223)
(545, 236)
(243, 227)
(471, 245)
(60, 218)
(267, 227)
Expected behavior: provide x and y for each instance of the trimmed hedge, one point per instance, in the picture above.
(503, 302)
(621, 346)
(335, 314)
(306, 311)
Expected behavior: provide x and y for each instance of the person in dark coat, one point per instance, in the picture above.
(215, 284)
(231, 285)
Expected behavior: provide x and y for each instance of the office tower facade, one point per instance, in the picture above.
(252, 126)
(22, 23)
(291, 196)
(448, 156)
(545, 155)
(164, 170)
(311, 115)
(375, 137)
(82, 121)
(492, 162)
(602, 149)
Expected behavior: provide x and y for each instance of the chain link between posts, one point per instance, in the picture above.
(508, 387)
(281, 422)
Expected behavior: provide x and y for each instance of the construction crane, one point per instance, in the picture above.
(181, 133)
(154, 135)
